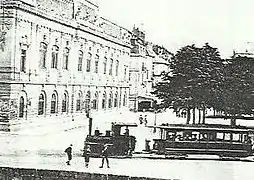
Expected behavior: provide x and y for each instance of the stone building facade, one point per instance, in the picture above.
(141, 63)
(59, 58)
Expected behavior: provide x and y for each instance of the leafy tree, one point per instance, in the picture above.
(194, 80)
(176, 88)
(238, 88)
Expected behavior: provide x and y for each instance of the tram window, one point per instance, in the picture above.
(220, 136)
(212, 136)
(194, 136)
(170, 136)
(179, 136)
(245, 137)
(227, 136)
(204, 137)
(236, 137)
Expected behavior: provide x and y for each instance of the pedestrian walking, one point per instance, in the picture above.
(104, 154)
(145, 120)
(68, 151)
(140, 119)
(87, 152)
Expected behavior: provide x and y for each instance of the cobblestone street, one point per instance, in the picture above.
(160, 168)
(45, 151)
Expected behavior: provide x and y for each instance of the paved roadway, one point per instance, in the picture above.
(46, 151)
(160, 168)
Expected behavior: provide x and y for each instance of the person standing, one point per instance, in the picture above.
(68, 151)
(87, 152)
(104, 154)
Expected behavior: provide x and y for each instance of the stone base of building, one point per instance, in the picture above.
(42, 125)
(45, 124)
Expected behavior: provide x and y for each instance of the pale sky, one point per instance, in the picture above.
(225, 24)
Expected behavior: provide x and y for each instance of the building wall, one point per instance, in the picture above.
(141, 64)
(75, 30)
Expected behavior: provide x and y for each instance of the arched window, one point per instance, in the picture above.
(110, 100)
(65, 102)
(43, 54)
(96, 64)
(21, 107)
(88, 62)
(80, 60)
(79, 100)
(87, 101)
(66, 58)
(116, 100)
(54, 62)
(41, 104)
(117, 67)
(95, 101)
(111, 67)
(104, 99)
(53, 109)
(105, 65)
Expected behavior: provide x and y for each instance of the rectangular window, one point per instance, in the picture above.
(111, 67)
(54, 60)
(88, 65)
(80, 64)
(23, 61)
(65, 59)
(96, 67)
(117, 66)
(105, 66)
(43, 60)
(125, 73)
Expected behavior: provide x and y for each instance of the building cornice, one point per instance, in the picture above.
(71, 24)
(62, 84)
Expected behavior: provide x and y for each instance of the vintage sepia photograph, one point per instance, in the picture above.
(126, 90)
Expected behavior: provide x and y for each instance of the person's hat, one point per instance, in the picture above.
(70, 144)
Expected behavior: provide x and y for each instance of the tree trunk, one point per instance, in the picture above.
(199, 116)
(203, 118)
(194, 116)
(188, 116)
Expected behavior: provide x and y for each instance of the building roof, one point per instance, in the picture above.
(159, 60)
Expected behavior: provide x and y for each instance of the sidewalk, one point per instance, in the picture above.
(136, 167)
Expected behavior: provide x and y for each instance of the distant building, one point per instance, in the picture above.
(59, 58)
(246, 51)
(140, 72)
(146, 68)
(161, 64)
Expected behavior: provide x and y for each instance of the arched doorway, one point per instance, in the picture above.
(41, 104)
(65, 102)
(54, 102)
(21, 107)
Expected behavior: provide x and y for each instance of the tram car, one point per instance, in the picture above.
(222, 140)
(120, 144)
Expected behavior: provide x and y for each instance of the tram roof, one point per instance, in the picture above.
(124, 124)
(206, 127)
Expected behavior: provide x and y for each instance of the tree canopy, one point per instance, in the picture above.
(200, 79)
